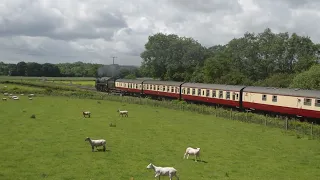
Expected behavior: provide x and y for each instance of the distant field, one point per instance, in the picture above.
(52, 146)
(83, 83)
(48, 78)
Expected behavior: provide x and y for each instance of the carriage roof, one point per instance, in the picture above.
(213, 86)
(284, 91)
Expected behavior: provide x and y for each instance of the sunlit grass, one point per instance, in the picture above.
(52, 145)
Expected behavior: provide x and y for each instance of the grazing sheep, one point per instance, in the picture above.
(30, 95)
(4, 99)
(30, 98)
(5, 94)
(21, 94)
(86, 113)
(163, 171)
(15, 97)
(122, 113)
(96, 143)
(192, 151)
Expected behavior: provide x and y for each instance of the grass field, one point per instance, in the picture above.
(48, 78)
(52, 146)
(83, 83)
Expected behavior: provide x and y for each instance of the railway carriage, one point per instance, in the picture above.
(166, 89)
(129, 86)
(227, 95)
(293, 102)
(296, 102)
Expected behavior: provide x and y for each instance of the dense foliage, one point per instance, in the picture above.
(77, 69)
(264, 59)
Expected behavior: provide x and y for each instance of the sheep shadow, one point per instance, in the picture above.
(201, 161)
(101, 150)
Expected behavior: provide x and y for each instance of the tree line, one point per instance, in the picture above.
(77, 69)
(263, 59)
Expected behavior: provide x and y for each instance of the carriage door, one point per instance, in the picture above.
(299, 103)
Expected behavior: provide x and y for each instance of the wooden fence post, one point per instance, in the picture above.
(266, 120)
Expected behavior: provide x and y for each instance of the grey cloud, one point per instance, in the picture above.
(30, 19)
(95, 30)
(206, 6)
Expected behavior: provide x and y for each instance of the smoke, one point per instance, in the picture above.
(109, 70)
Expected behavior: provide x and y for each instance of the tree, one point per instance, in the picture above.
(308, 79)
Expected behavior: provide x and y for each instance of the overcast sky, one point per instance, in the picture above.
(58, 31)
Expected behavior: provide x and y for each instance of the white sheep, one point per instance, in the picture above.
(4, 99)
(30, 95)
(15, 97)
(96, 143)
(21, 94)
(30, 98)
(123, 113)
(5, 94)
(163, 171)
(192, 151)
(86, 113)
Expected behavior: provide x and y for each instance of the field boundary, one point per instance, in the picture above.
(294, 127)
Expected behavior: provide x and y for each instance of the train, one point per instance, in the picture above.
(299, 103)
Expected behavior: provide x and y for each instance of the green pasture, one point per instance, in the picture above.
(47, 78)
(52, 145)
(82, 83)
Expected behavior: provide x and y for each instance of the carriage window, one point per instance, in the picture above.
(188, 90)
(136, 86)
(214, 93)
(199, 92)
(307, 102)
(228, 95)
(158, 87)
(221, 94)
(208, 93)
(182, 91)
(140, 86)
(233, 96)
(264, 97)
(178, 90)
(237, 96)
(274, 98)
(193, 91)
(317, 103)
(203, 93)
(171, 89)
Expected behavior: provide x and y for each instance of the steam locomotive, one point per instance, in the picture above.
(290, 102)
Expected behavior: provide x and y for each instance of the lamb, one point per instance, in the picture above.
(163, 171)
(96, 143)
(15, 97)
(123, 113)
(4, 99)
(192, 151)
(86, 113)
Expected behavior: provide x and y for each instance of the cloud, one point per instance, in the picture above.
(95, 30)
